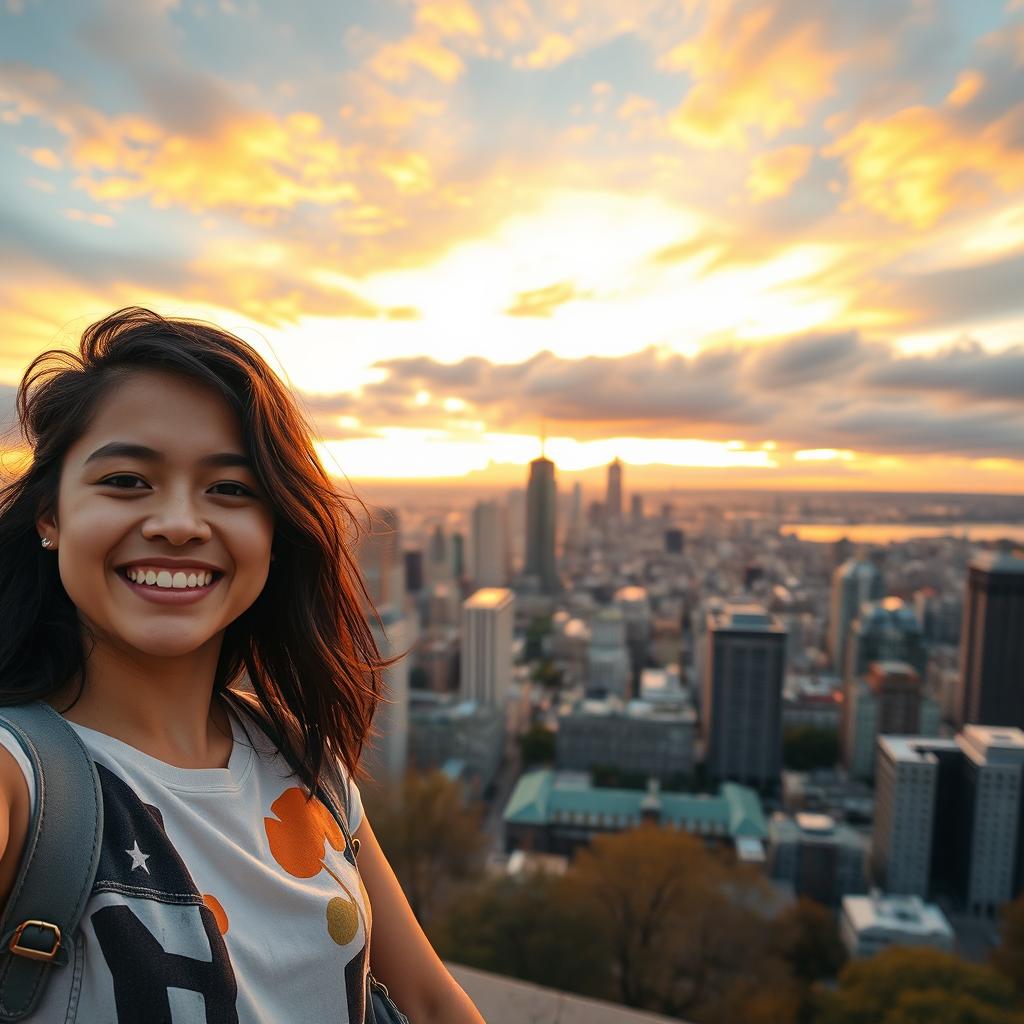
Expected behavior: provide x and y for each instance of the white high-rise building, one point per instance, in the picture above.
(994, 762)
(487, 624)
(906, 781)
(608, 665)
(947, 816)
(386, 754)
(488, 554)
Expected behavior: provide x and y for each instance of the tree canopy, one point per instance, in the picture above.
(682, 924)
(528, 927)
(1008, 956)
(431, 838)
(920, 986)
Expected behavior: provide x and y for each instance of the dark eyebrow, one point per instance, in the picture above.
(126, 450)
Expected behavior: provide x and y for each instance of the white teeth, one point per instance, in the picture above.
(166, 580)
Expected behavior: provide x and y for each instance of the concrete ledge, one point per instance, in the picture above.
(504, 1000)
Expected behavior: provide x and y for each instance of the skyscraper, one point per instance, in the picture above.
(383, 567)
(888, 699)
(608, 665)
(386, 752)
(883, 631)
(853, 583)
(487, 621)
(886, 630)
(742, 705)
(439, 559)
(487, 553)
(380, 558)
(991, 686)
(613, 501)
(541, 505)
(947, 818)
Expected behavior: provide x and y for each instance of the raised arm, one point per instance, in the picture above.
(401, 955)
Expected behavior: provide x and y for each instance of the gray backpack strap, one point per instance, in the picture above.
(58, 865)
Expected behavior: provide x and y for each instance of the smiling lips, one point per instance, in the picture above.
(164, 579)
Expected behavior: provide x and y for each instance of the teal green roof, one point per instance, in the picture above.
(547, 797)
(746, 817)
(529, 800)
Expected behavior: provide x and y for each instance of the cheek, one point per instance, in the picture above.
(251, 542)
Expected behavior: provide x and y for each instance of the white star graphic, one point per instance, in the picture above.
(138, 857)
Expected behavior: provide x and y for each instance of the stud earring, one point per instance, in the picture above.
(46, 542)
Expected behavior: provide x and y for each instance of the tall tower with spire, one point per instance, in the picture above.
(541, 505)
(613, 501)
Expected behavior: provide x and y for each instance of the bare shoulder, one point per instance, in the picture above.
(14, 818)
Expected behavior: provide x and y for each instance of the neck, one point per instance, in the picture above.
(161, 706)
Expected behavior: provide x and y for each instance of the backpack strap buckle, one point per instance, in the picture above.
(31, 952)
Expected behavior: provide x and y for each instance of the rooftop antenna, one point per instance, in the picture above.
(543, 437)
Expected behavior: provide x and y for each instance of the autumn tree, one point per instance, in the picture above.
(684, 927)
(531, 928)
(432, 840)
(1008, 957)
(806, 937)
(920, 986)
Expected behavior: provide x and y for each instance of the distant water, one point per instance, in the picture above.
(896, 533)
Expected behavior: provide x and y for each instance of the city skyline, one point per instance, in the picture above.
(735, 244)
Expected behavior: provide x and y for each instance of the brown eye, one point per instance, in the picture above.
(123, 481)
(241, 490)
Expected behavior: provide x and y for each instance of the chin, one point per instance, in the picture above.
(167, 644)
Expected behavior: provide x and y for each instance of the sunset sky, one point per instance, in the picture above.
(769, 244)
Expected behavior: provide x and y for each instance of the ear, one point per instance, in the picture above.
(46, 523)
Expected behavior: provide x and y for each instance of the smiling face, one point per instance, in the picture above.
(189, 505)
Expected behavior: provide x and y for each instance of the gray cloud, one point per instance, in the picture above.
(964, 372)
(960, 294)
(810, 358)
(140, 43)
(820, 391)
(638, 388)
(918, 428)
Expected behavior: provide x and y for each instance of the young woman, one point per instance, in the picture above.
(175, 542)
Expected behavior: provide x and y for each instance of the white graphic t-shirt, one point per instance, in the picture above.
(222, 897)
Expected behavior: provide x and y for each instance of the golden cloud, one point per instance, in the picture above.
(410, 173)
(259, 162)
(968, 85)
(749, 74)
(551, 50)
(274, 283)
(449, 17)
(543, 302)
(918, 164)
(373, 106)
(46, 158)
(100, 220)
(774, 174)
(394, 62)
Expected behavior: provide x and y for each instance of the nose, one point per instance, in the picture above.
(177, 521)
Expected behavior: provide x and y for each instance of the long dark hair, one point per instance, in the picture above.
(305, 642)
